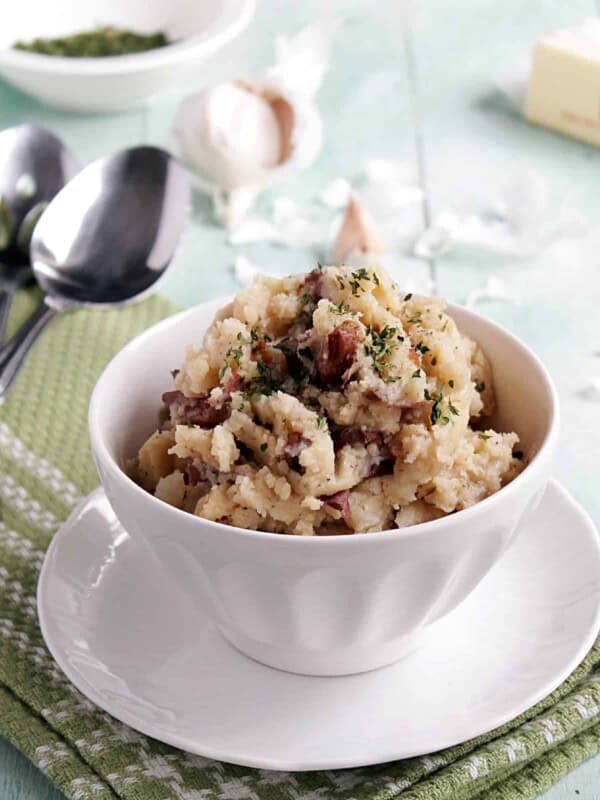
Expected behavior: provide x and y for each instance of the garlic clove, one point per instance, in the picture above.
(299, 126)
(357, 234)
(283, 113)
(245, 125)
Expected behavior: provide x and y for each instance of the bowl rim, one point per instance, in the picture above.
(102, 452)
(236, 15)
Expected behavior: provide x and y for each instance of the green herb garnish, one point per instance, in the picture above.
(436, 409)
(407, 296)
(257, 336)
(107, 41)
(480, 387)
(266, 382)
(484, 436)
(234, 355)
(358, 276)
(379, 347)
(263, 446)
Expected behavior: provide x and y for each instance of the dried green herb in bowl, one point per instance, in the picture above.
(97, 43)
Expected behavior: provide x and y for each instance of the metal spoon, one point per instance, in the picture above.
(104, 240)
(34, 166)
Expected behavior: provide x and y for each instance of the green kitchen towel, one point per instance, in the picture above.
(46, 468)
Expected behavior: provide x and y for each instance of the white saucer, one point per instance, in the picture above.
(129, 639)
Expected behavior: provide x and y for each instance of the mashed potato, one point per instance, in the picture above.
(327, 403)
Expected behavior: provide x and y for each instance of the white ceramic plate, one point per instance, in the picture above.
(133, 643)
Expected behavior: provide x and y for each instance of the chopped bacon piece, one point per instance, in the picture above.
(261, 347)
(353, 435)
(338, 352)
(417, 413)
(339, 501)
(414, 357)
(192, 475)
(171, 397)
(233, 383)
(194, 470)
(313, 283)
(197, 410)
(275, 359)
(373, 436)
(384, 465)
(298, 355)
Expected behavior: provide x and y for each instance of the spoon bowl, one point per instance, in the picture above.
(105, 240)
(127, 213)
(34, 165)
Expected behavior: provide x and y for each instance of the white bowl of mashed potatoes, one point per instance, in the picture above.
(333, 463)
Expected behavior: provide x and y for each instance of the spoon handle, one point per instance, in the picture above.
(13, 354)
(6, 298)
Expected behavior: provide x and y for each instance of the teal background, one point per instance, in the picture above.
(413, 82)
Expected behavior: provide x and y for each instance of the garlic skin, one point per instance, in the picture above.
(302, 60)
(240, 137)
(357, 236)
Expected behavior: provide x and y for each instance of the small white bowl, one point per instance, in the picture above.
(114, 83)
(321, 605)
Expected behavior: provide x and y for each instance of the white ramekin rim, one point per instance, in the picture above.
(238, 14)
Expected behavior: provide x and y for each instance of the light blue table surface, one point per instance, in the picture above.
(421, 92)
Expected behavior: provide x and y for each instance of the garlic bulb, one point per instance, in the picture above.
(245, 136)
(240, 137)
(357, 236)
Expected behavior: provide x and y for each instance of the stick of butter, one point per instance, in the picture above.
(564, 86)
